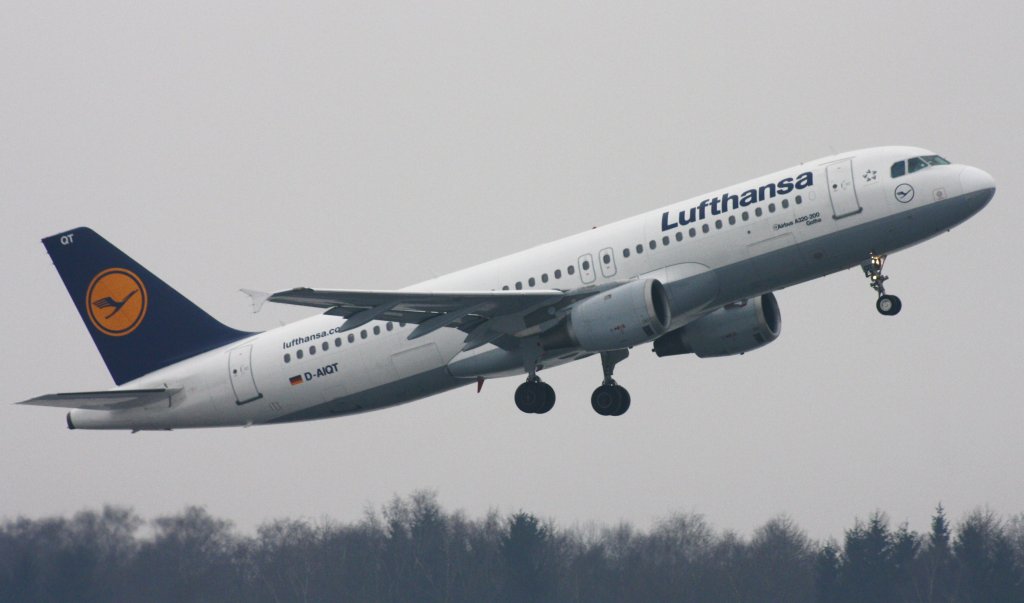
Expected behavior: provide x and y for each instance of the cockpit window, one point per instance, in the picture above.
(915, 164)
(935, 160)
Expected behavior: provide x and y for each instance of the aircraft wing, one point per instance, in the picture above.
(487, 316)
(118, 399)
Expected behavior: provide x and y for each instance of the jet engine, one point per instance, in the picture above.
(627, 315)
(732, 329)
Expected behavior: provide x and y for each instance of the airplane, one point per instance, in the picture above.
(694, 277)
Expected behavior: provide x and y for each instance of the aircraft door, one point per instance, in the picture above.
(841, 189)
(240, 371)
(586, 266)
(607, 259)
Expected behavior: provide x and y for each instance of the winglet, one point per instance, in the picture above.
(256, 298)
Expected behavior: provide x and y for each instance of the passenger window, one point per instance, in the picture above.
(679, 236)
(351, 338)
(914, 164)
(746, 216)
(558, 274)
(312, 350)
(639, 248)
(362, 334)
(519, 285)
(705, 228)
(376, 330)
(664, 240)
(898, 169)
(505, 288)
(325, 346)
(785, 203)
(799, 199)
(287, 357)
(391, 326)
(586, 265)
(544, 277)
(625, 252)
(718, 224)
(298, 354)
(758, 212)
(570, 270)
(652, 244)
(732, 220)
(337, 342)
(532, 281)
(607, 259)
(771, 208)
(693, 232)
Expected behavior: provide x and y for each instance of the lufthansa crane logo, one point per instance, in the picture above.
(904, 193)
(116, 301)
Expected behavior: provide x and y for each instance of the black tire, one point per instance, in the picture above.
(528, 397)
(548, 396)
(622, 403)
(604, 400)
(888, 305)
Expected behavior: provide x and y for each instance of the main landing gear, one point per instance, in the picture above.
(887, 305)
(535, 396)
(610, 399)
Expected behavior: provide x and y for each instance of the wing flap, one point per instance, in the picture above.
(119, 399)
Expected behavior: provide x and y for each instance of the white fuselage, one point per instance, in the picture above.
(846, 209)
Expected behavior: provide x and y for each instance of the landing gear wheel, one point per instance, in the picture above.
(610, 400)
(624, 401)
(535, 397)
(888, 305)
(549, 399)
(527, 399)
(604, 400)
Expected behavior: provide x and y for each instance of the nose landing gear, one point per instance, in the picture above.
(887, 305)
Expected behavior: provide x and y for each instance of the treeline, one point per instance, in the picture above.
(413, 550)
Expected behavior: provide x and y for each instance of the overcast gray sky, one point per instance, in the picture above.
(374, 145)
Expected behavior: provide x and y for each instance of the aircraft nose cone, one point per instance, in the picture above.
(974, 180)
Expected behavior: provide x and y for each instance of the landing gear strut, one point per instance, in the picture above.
(610, 399)
(534, 396)
(887, 305)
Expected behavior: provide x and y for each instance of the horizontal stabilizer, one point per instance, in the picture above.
(108, 400)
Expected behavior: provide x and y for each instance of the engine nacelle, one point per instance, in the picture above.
(627, 315)
(733, 329)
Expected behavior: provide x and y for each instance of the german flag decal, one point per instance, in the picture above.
(296, 380)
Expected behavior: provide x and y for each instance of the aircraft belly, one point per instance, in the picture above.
(396, 392)
(832, 252)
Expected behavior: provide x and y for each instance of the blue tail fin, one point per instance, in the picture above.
(138, 322)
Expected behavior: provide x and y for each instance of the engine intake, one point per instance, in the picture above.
(736, 328)
(625, 316)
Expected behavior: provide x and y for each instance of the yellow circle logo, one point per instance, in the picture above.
(116, 301)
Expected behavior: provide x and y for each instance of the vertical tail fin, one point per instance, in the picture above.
(137, 321)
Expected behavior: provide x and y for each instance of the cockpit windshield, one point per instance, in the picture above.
(914, 164)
